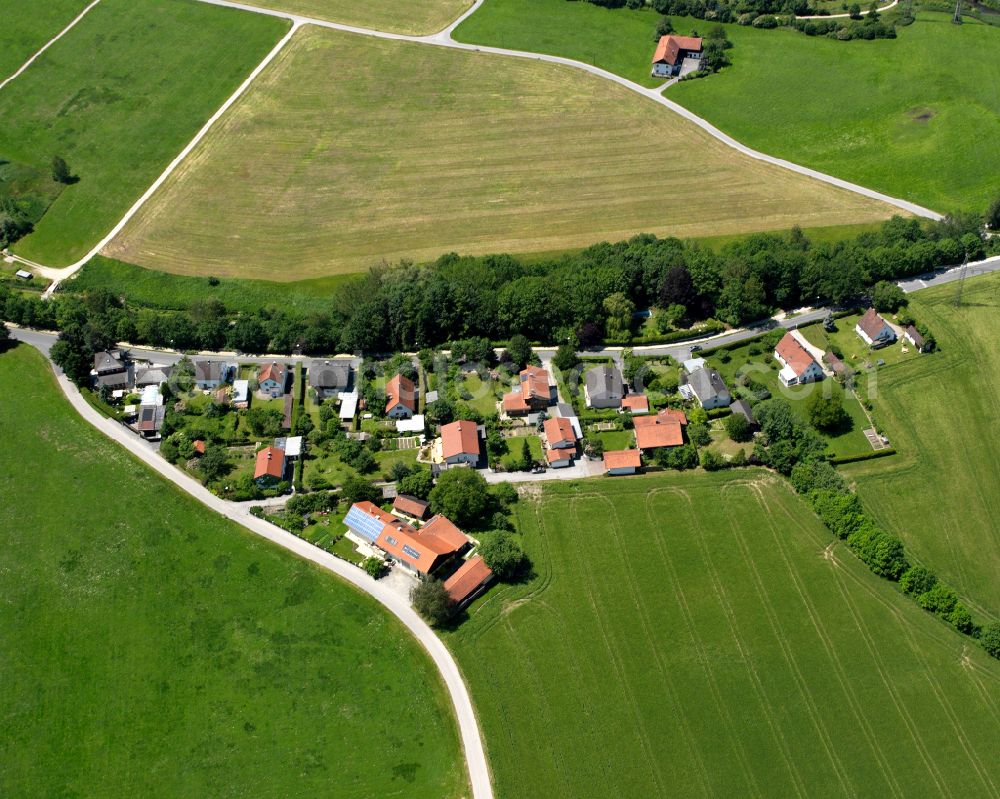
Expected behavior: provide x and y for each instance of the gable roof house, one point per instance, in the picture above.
(913, 336)
(622, 461)
(742, 407)
(798, 364)
(670, 54)
(329, 378)
(604, 387)
(559, 433)
(460, 442)
(269, 469)
(152, 376)
(663, 430)
(559, 458)
(533, 394)
(150, 420)
(111, 369)
(468, 581)
(413, 507)
(400, 398)
(212, 374)
(635, 404)
(708, 387)
(272, 379)
(874, 330)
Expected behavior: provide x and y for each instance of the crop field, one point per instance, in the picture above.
(941, 493)
(470, 153)
(417, 17)
(152, 648)
(701, 635)
(28, 25)
(923, 109)
(118, 97)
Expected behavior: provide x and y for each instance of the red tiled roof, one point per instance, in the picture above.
(636, 403)
(272, 371)
(791, 351)
(199, 446)
(410, 506)
(270, 462)
(400, 391)
(662, 430)
(535, 382)
(558, 431)
(622, 459)
(871, 323)
(464, 582)
(556, 455)
(514, 402)
(436, 539)
(459, 438)
(673, 413)
(669, 47)
(442, 535)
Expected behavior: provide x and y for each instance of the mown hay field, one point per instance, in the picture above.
(118, 98)
(416, 17)
(702, 635)
(941, 494)
(348, 150)
(153, 648)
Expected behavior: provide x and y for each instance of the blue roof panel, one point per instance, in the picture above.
(363, 524)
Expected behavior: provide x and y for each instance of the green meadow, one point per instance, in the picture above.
(153, 648)
(118, 98)
(703, 635)
(28, 25)
(917, 117)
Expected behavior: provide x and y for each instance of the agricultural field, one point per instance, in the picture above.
(370, 167)
(417, 17)
(941, 493)
(708, 632)
(28, 25)
(926, 109)
(154, 649)
(118, 97)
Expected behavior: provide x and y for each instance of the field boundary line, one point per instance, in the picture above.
(48, 44)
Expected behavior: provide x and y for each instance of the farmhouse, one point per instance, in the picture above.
(671, 52)
(400, 398)
(534, 393)
(913, 336)
(874, 330)
(663, 430)
(272, 379)
(460, 443)
(560, 458)
(415, 508)
(468, 581)
(559, 433)
(708, 387)
(622, 461)
(270, 467)
(635, 404)
(798, 364)
(604, 387)
(329, 378)
(212, 374)
(111, 369)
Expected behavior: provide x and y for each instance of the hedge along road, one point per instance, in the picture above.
(444, 39)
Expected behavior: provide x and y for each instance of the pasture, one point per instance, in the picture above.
(118, 97)
(470, 153)
(152, 648)
(416, 17)
(877, 113)
(702, 635)
(28, 25)
(941, 493)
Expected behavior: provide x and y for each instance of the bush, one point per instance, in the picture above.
(917, 580)
(738, 428)
(990, 639)
(827, 413)
(699, 434)
(940, 600)
(712, 461)
(961, 619)
(502, 553)
(375, 567)
(431, 600)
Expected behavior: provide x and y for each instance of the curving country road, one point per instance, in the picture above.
(893, 4)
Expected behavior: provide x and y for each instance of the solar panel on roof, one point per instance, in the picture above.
(408, 550)
(363, 524)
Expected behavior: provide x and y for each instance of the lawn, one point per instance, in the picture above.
(28, 25)
(118, 97)
(152, 648)
(941, 494)
(614, 439)
(902, 107)
(514, 447)
(482, 394)
(701, 635)
(395, 16)
(370, 167)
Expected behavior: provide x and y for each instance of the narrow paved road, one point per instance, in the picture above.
(468, 726)
(893, 4)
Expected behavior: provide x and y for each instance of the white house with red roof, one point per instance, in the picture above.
(400, 398)
(559, 433)
(798, 364)
(533, 394)
(272, 379)
(671, 51)
(460, 443)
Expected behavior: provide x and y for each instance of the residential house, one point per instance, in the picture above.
(149, 420)
(272, 379)
(636, 404)
(663, 430)
(707, 386)
(670, 53)
(329, 378)
(460, 443)
(111, 369)
(270, 467)
(559, 433)
(212, 374)
(152, 375)
(415, 508)
(742, 407)
(622, 461)
(468, 581)
(913, 336)
(241, 393)
(560, 458)
(798, 364)
(533, 394)
(874, 330)
(604, 387)
(400, 398)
